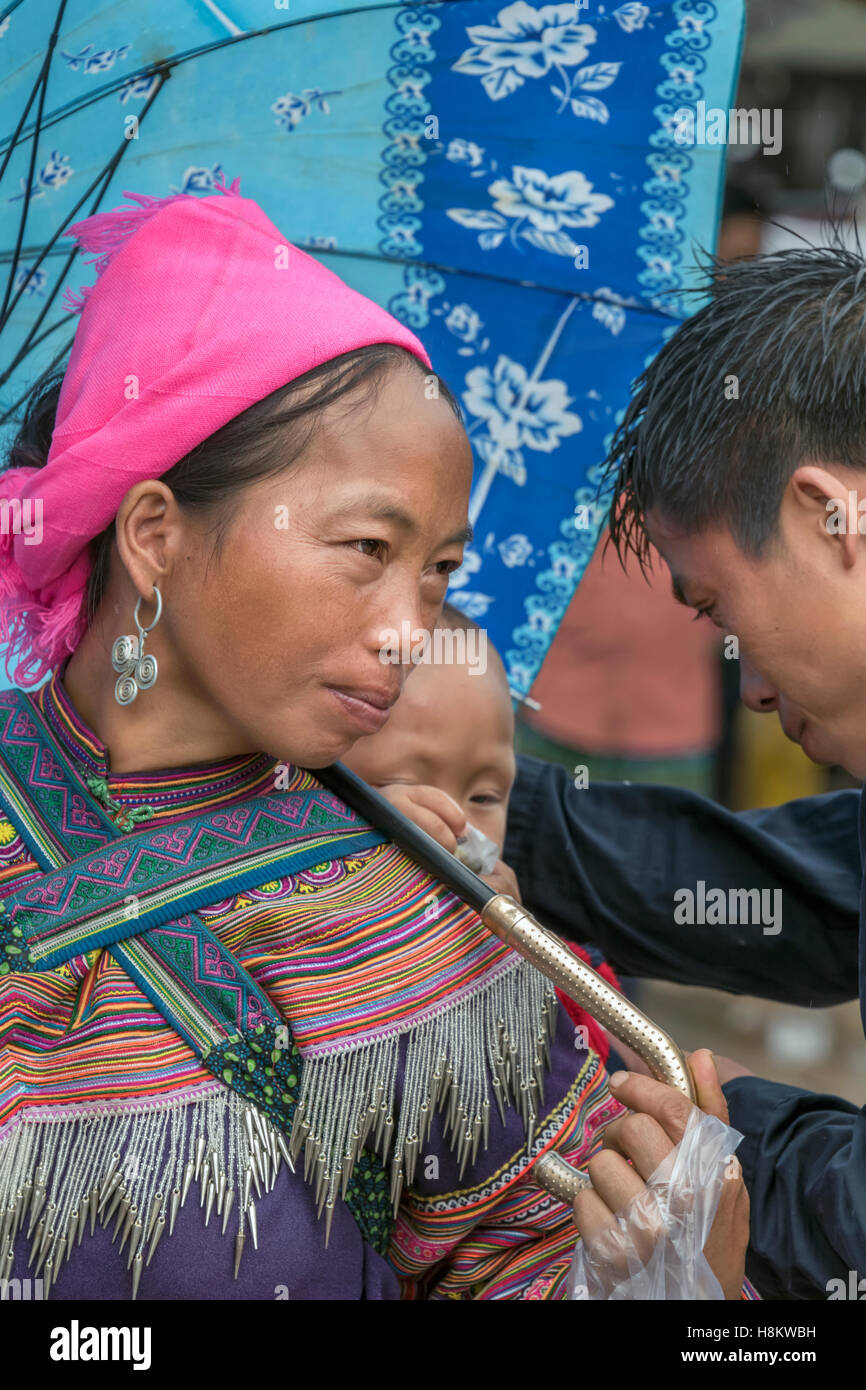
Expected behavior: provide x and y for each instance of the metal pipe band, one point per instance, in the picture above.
(511, 922)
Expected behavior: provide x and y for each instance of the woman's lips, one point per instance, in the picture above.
(362, 714)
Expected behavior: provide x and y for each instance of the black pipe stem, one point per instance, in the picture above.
(427, 852)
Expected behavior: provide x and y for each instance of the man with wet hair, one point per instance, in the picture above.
(742, 458)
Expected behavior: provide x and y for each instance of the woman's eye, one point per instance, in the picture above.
(485, 799)
(376, 550)
(378, 546)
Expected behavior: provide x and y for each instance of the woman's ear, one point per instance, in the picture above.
(834, 505)
(147, 529)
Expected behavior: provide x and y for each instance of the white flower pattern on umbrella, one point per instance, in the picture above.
(609, 311)
(508, 462)
(467, 326)
(464, 322)
(90, 59)
(631, 17)
(291, 109)
(464, 152)
(527, 42)
(516, 550)
(53, 175)
(472, 604)
(530, 43)
(31, 281)
(549, 201)
(517, 410)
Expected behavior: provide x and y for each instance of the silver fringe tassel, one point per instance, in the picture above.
(496, 1040)
(60, 1174)
(135, 1167)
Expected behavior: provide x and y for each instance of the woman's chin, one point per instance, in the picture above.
(320, 752)
(311, 737)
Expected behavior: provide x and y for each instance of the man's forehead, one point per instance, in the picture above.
(687, 551)
(692, 560)
(693, 576)
(661, 529)
(677, 589)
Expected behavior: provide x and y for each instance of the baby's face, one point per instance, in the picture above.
(452, 730)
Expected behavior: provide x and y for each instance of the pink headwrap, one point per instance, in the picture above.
(201, 309)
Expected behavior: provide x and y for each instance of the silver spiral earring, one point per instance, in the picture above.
(137, 671)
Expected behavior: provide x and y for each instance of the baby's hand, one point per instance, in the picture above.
(503, 880)
(432, 809)
(437, 813)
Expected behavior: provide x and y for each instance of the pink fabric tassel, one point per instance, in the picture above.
(107, 232)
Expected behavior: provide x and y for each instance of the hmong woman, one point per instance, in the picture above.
(211, 968)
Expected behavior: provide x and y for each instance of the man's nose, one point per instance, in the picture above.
(755, 692)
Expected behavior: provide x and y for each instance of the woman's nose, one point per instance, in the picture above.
(400, 627)
(756, 693)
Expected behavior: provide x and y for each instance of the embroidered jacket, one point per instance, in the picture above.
(415, 1029)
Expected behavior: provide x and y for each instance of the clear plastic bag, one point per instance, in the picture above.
(476, 851)
(655, 1249)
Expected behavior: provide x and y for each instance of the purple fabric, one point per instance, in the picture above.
(197, 1263)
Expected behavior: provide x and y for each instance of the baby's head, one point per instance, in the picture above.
(452, 728)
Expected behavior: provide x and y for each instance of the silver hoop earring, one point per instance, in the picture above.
(137, 671)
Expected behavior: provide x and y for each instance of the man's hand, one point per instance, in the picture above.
(629, 1056)
(646, 1137)
(727, 1068)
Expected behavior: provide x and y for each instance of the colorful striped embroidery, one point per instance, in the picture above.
(361, 975)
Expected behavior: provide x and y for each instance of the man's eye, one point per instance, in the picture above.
(448, 566)
(486, 798)
(702, 613)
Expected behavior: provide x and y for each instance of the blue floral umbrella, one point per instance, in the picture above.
(507, 180)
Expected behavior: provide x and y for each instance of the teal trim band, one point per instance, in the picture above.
(187, 899)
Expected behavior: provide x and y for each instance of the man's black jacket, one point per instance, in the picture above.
(601, 864)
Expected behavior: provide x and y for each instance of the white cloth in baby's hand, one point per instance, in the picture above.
(476, 851)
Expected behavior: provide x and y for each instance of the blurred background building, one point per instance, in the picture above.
(635, 690)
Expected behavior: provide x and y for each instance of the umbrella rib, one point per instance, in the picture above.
(10, 413)
(491, 466)
(104, 177)
(41, 86)
(23, 117)
(478, 275)
(30, 343)
(80, 103)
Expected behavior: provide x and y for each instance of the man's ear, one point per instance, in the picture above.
(834, 503)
